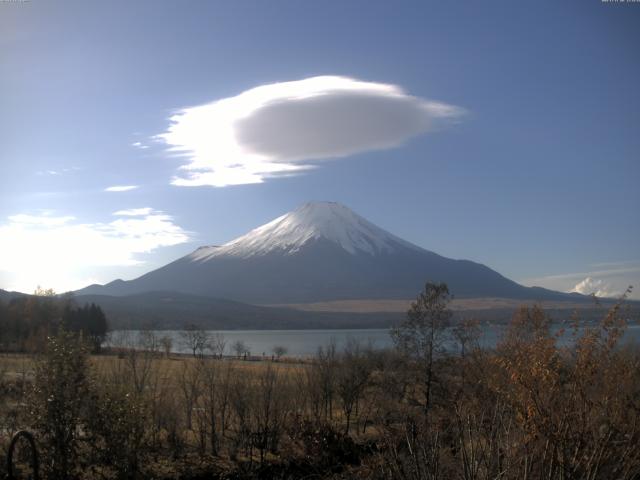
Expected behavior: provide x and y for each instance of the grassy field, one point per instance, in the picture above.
(528, 408)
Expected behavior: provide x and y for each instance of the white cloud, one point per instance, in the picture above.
(121, 188)
(134, 212)
(286, 128)
(48, 250)
(597, 287)
(139, 145)
(605, 282)
(43, 220)
(57, 171)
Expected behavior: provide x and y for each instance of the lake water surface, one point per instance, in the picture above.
(301, 343)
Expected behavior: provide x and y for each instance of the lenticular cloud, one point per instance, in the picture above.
(286, 128)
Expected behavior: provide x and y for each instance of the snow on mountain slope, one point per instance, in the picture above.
(312, 221)
(319, 252)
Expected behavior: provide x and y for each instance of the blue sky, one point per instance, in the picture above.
(519, 146)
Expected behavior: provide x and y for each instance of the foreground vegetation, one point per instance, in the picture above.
(529, 408)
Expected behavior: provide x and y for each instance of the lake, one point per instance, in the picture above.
(303, 343)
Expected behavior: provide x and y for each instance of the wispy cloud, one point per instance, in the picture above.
(45, 248)
(121, 188)
(43, 220)
(593, 273)
(134, 212)
(140, 145)
(57, 171)
(625, 263)
(286, 128)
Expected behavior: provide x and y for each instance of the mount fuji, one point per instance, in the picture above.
(322, 251)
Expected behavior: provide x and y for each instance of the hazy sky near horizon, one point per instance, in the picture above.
(503, 132)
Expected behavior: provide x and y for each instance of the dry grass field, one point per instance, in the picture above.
(528, 408)
(459, 304)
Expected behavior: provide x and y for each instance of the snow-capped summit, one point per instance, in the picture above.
(287, 234)
(319, 252)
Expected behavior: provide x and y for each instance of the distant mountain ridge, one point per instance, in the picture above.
(174, 310)
(6, 295)
(321, 251)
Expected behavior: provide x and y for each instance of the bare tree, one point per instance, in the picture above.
(322, 379)
(241, 403)
(279, 351)
(352, 372)
(224, 394)
(214, 400)
(217, 345)
(422, 334)
(269, 410)
(148, 341)
(190, 386)
(166, 343)
(467, 335)
(240, 348)
(136, 369)
(195, 339)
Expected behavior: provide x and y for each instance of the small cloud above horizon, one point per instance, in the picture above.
(597, 287)
(605, 282)
(121, 188)
(287, 128)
